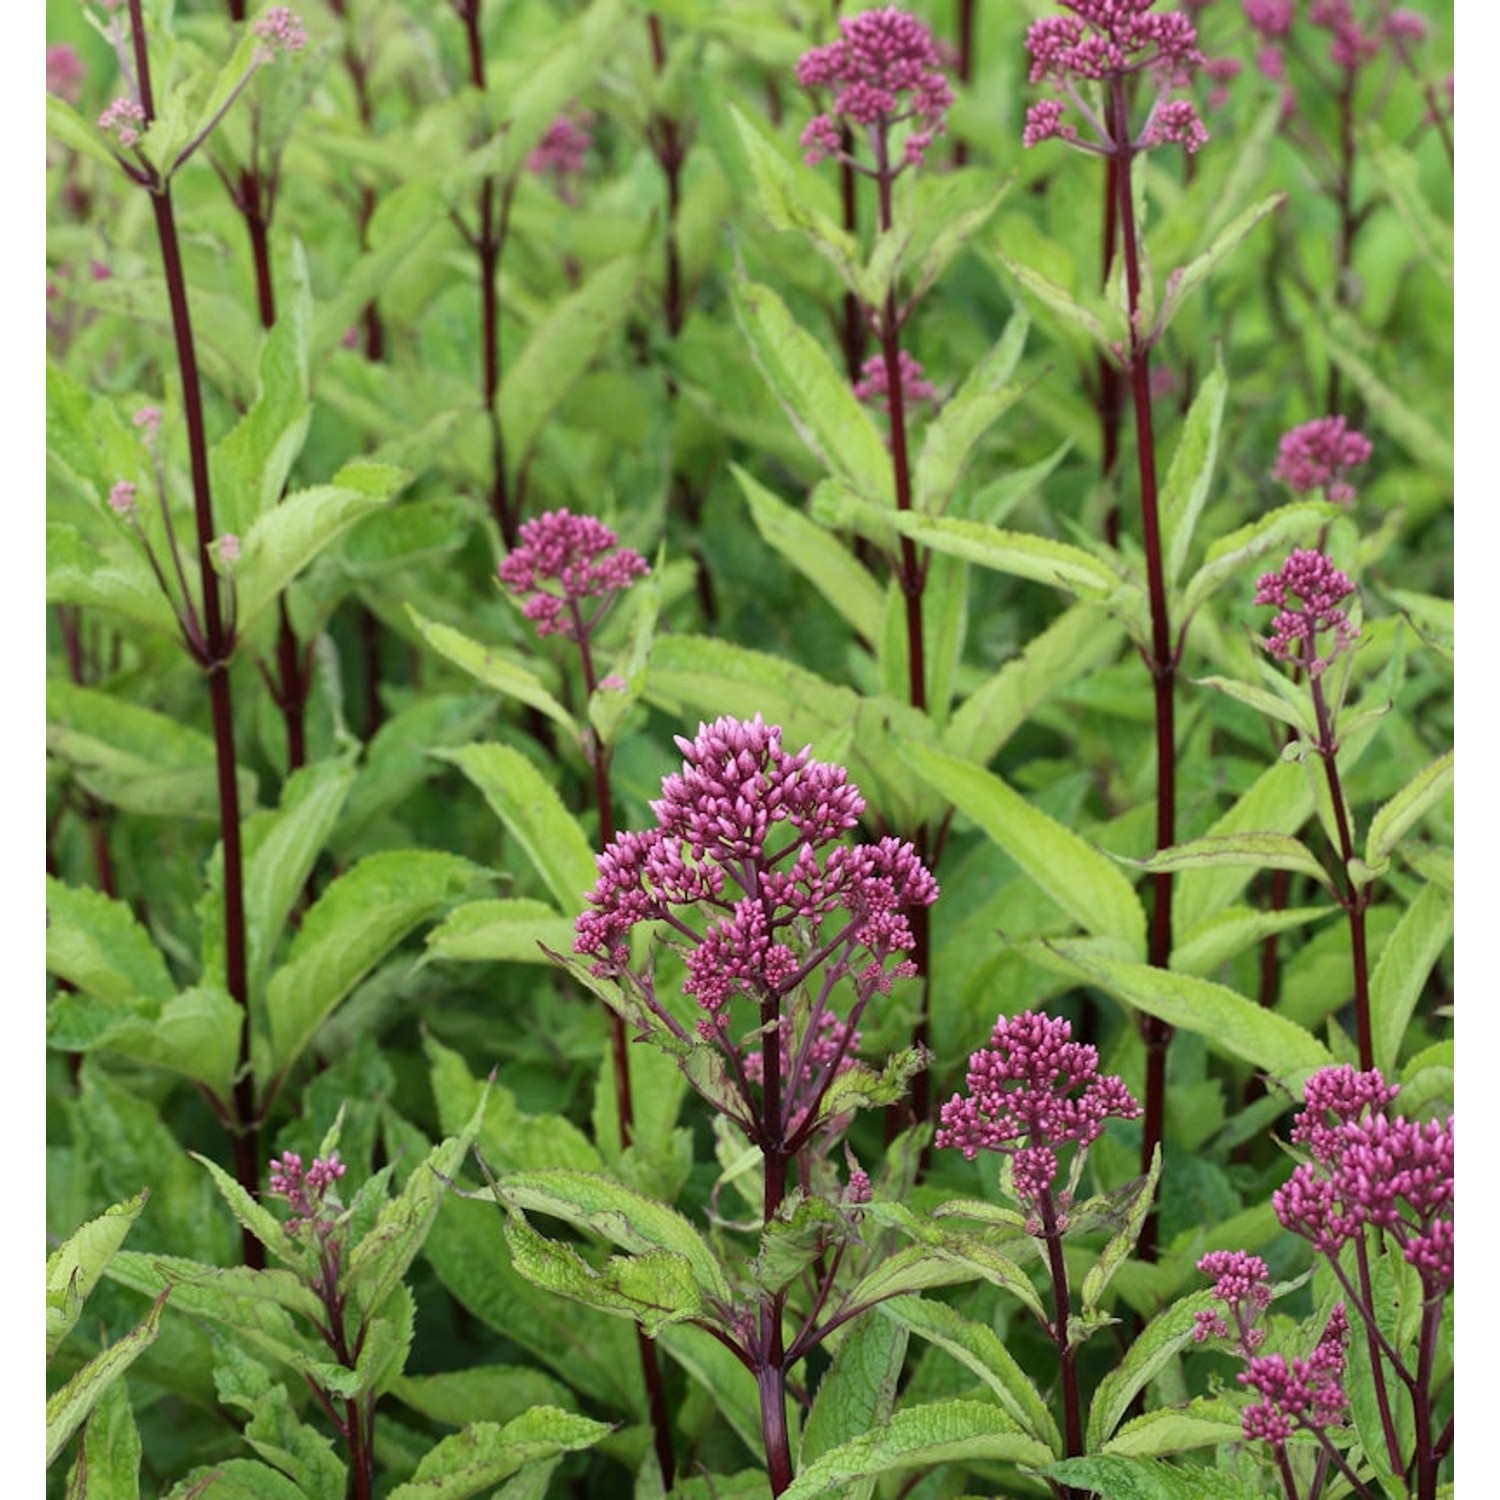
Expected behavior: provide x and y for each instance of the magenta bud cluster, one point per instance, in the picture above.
(563, 560)
(1033, 1089)
(1299, 1393)
(281, 29)
(885, 69)
(1308, 591)
(1318, 456)
(563, 148)
(874, 387)
(305, 1189)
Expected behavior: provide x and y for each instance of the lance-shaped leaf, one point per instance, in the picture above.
(861, 1087)
(1230, 932)
(1185, 280)
(655, 1287)
(255, 1217)
(626, 1218)
(610, 704)
(979, 1349)
(1412, 803)
(96, 944)
(558, 351)
(918, 1438)
(1129, 1210)
(800, 1232)
(527, 803)
(1406, 960)
(1256, 851)
(109, 1458)
(67, 1407)
(285, 539)
(1095, 318)
(819, 402)
(858, 1393)
(276, 1433)
(118, 581)
(1120, 1478)
(74, 1268)
(485, 1453)
(982, 399)
(236, 1479)
(68, 128)
(1227, 1021)
(134, 758)
(1396, 171)
(1084, 882)
(1192, 469)
(1203, 1422)
(493, 669)
(943, 1259)
(1413, 431)
(1232, 556)
(1282, 702)
(357, 920)
(819, 556)
(960, 205)
(379, 1261)
(506, 931)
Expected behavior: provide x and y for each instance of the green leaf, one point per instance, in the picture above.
(1256, 851)
(236, 1479)
(722, 1377)
(74, 1268)
(1081, 879)
(96, 944)
(1192, 470)
(634, 1222)
(286, 538)
(918, 1438)
(300, 1452)
(1396, 170)
(984, 396)
(1185, 280)
(68, 128)
(1281, 706)
(534, 815)
(558, 351)
(858, 1393)
(944, 1260)
(1412, 803)
(1424, 931)
(508, 931)
(979, 1350)
(819, 402)
(1113, 1477)
(493, 669)
(1217, 939)
(1089, 318)
(485, 1453)
(1431, 449)
(67, 1408)
(109, 1461)
(357, 920)
(255, 1217)
(820, 557)
(117, 580)
(1129, 1210)
(1204, 1422)
(495, 1392)
(1231, 557)
(134, 758)
(1229, 1022)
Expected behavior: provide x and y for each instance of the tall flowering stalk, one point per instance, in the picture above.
(787, 934)
(1382, 1184)
(1093, 57)
(1033, 1091)
(1309, 595)
(886, 81)
(208, 626)
(569, 570)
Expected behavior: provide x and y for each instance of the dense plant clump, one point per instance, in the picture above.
(467, 1078)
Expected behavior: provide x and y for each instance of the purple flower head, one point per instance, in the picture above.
(747, 864)
(122, 498)
(874, 386)
(1308, 592)
(124, 117)
(1223, 71)
(1271, 18)
(1242, 1283)
(148, 419)
(1351, 46)
(65, 72)
(578, 554)
(306, 1192)
(1031, 1090)
(885, 69)
(282, 30)
(228, 548)
(1105, 41)
(1368, 1169)
(561, 151)
(1300, 1393)
(1318, 455)
(1271, 61)
(1405, 26)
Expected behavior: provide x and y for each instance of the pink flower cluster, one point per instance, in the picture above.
(64, 72)
(1242, 1283)
(1031, 1090)
(125, 118)
(561, 151)
(281, 29)
(579, 554)
(1308, 591)
(1305, 1393)
(874, 383)
(886, 69)
(745, 815)
(305, 1191)
(1318, 455)
(1369, 1169)
(1105, 41)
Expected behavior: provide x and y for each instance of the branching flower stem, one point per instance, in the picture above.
(1161, 658)
(214, 659)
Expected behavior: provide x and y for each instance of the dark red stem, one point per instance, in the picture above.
(1063, 1309)
(965, 69)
